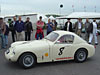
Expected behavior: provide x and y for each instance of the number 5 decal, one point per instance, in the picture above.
(61, 51)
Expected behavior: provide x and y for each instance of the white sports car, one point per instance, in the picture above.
(57, 46)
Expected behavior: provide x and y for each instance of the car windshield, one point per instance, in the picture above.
(52, 36)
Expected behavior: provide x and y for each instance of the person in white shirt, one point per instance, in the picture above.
(78, 27)
(68, 26)
(94, 33)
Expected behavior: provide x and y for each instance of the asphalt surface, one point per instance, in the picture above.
(90, 67)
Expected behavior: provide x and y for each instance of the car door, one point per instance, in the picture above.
(62, 48)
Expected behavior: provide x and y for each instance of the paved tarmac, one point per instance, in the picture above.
(90, 67)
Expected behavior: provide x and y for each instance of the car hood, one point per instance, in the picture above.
(35, 43)
(19, 43)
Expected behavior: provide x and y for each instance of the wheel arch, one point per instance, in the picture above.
(30, 53)
(81, 49)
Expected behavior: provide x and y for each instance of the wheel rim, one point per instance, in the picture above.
(81, 56)
(28, 60)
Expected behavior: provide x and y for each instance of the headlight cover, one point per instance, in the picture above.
(13, 52)
(7, 51)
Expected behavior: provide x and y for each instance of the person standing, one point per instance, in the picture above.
(78, 27)
(28, 29)
(68, 26)
(19, 27)
(87, 24)
(11, 28)
(39, 33)
(93, 30)
(6, 35)
(55, 24)
(49, 27)
(2, 32)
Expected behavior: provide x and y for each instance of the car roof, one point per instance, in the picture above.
(62, 32)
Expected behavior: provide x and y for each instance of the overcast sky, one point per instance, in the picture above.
(47, 6)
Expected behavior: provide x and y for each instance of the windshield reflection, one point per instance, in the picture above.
(52, 36)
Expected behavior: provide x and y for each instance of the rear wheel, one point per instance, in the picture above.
(27, 60)
(81, 55)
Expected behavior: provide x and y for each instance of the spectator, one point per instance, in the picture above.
(28, 29)
(79, 27)
(49, 27)
(2, 32)
(87, 24)
(39, 33)
(55, 24)
(93, 30)
(68, 26)
(11, 28)
(6, 35)
(19, 27)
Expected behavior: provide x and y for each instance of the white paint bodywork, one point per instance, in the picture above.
(41, 47)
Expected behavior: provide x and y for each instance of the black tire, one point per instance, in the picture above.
(81, 55)
(27, 60)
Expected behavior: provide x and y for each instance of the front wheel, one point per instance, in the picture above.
(27, 60)
(80, 55)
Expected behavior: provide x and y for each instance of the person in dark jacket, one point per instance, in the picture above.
(87, 33)
(78, 27)
(28, 29)
(19, 27)
(6, 35)
(49, 27)
(68, 26)
(11, 28)
(54, 24)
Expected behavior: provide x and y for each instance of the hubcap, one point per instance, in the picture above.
(28, 60)
(81, 56)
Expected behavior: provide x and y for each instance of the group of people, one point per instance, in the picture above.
(18, 28)
(90, 29)
(50, 26)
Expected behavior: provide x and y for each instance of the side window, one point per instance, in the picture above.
(66, 39)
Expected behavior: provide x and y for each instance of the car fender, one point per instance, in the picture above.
(89, 48)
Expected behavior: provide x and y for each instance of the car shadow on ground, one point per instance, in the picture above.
(48, 64)
(66, 62)
(13, 65)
